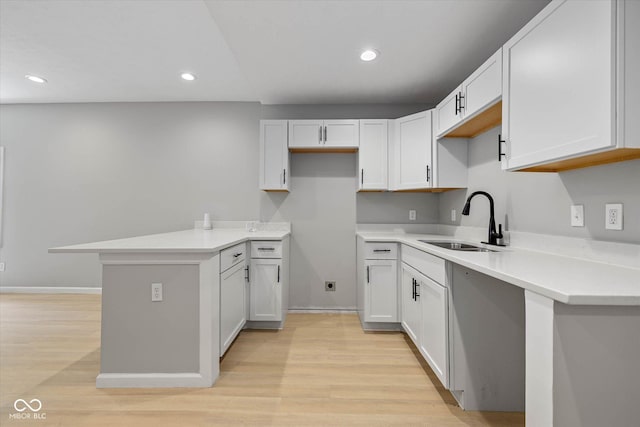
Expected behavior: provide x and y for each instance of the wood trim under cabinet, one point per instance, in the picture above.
(612, 156)
(487, 119)
(324, 150)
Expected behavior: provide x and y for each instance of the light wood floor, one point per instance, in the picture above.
(322, 369)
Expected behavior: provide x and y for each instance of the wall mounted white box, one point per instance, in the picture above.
(577, 215)
(613, 216)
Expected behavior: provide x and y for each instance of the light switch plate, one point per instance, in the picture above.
(613, 216)
(412, 215)
(453, 215)
(577, 215)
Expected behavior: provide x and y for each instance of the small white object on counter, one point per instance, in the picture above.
(206, 224)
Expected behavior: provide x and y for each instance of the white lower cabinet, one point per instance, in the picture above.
(410, 304)
(269, 277)
(232, 306)
(233, 309)
(266, 289)
(425, 308)
(433, 341)
(381, 291)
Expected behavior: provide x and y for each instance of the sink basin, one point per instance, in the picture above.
(457, 246)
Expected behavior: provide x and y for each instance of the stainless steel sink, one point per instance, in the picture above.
(457, 246)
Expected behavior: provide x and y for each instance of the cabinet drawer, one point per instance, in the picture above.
(232, 256)
(266, 249)
(427, 264)
(381, 250)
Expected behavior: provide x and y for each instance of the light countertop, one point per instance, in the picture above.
(564, 279)
(188, 241)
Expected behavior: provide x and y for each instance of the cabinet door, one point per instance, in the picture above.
(341, 133)
(266, 289)
(274, 155)
(232, 305)
(372, 155)
(410, 306)
(447, 114)
(558, 85)
(434, 331)
(380, 291)
(305, 133)
(412, 146)
(483, 88)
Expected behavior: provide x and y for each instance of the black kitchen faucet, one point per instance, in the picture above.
(493, 235)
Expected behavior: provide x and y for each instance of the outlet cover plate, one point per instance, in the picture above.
(613, 216)
(412, 215)
(156, 292)
(577, 215)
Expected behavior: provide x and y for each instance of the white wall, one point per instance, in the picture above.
(540, 202)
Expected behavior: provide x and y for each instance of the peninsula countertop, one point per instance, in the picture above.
(564, 279)
(188, 241)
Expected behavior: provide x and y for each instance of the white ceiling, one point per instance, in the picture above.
(288, 51)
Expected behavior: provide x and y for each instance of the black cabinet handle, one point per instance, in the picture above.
(413, 283)
(457, 104)
(270, 249)
(278, 273)
(325, 134)
(500, 153)
(246, 276)
(368, 274)
(237, 255)
(320, 135)
(382, 250)
(284, 176)
(361, 176)
(428, 175)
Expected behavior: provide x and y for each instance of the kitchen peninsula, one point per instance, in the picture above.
(172, 303)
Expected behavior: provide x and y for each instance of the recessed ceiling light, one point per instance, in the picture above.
(188, 76)
(369, 55)
(35, 79)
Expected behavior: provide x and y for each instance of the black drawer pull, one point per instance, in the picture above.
(237, 255)
(381, 250)
(266, 249)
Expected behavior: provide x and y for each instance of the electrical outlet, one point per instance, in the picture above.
(453, 215)
(613, 216)
(577, 215)
(330, 286)
(1, 267)
(156, 292)
(412, 215)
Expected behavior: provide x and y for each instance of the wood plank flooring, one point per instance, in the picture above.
(321, 370)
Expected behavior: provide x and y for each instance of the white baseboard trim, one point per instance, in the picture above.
(323, 310)
(48, 290)
(152, 380)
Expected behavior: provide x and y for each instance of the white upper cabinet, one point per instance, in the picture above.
(274, 156)
(482, 88)
(448, 113)
(411, 164)
(566, 75)
(477, 93)
(373, 155)
(324, 135)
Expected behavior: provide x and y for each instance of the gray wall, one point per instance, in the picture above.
(85, 172)
(540, 202)
(323, 208)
